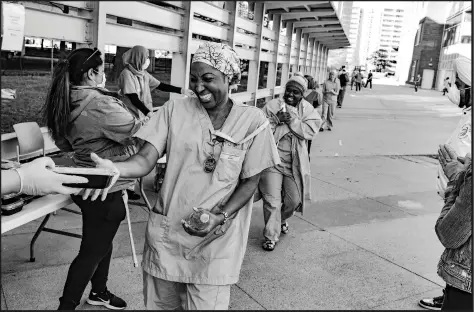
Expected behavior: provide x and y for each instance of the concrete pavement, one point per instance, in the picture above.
(366, 242)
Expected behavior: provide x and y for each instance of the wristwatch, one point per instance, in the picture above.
(225, 214)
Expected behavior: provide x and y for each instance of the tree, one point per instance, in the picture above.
(381, 61)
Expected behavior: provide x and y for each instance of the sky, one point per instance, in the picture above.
(379, 4)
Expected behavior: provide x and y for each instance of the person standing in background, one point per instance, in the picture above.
(314, 96)
(358, 79)
(330, 91)
(136, 83)
(353, 77)
(343, 80)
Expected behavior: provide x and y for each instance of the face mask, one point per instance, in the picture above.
(454, 95)
(147, 63)
(102, 84)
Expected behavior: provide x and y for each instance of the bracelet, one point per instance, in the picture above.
(226, 216)
(21, 179)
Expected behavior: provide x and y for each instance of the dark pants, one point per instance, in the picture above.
(340, 96)
(444, 91)
(456, 300)
(368, 81)
(100, 222)
(358, 85)
(416, 87)
(309, 148)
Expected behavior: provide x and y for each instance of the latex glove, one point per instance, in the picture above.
(187, 92)
(106, 164)
(37, 178)
(450, 162)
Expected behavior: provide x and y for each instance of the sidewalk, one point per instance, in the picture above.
(367, 241)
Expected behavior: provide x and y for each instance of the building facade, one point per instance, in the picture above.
(427, 44)
(456, 40)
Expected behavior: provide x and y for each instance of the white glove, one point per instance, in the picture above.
(37, 178)
(147, 117)
(187, 92)
(106, 164)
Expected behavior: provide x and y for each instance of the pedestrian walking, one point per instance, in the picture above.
(353, 77)
(216, 150)
(447, 85)
(330, 91)
(369, 80)
(84, 117)
(417, 82)
(285, 187)
(343, 80)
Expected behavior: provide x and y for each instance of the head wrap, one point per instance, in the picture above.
(462, 66)
(299, 82)
(135, 58)
(221, 57)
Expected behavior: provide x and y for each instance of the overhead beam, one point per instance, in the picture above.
(314, 23)
(294, 15)
(320, 29)
(271, 5)
(316, 35)
(307, 8)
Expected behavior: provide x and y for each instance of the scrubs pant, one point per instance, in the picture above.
(280, 199)
(161, 294)
(328, 114)
(100, 222)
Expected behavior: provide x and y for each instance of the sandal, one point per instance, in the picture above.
(269, 245)
(285, 228)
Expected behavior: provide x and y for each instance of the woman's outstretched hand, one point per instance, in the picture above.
(105, 164)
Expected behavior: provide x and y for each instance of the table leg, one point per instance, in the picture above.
(35, 237)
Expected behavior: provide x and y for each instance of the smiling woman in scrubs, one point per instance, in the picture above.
(216, 149)
(285, 187)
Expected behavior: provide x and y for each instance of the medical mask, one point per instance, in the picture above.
(147, 63)
(454, 95)
(102, 84)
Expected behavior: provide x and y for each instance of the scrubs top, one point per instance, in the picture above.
(183, 130)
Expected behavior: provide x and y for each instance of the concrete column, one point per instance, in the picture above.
(181, 62)
(232, 7)
(272, 67)
(286, 67)
(305, 46)
(298, 50)
(96, 28)
(254, 69)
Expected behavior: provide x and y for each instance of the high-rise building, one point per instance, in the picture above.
(350, 16)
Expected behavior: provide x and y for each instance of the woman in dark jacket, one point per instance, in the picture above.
(454, 230)
(82, 116)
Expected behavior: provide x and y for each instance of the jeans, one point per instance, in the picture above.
(368, 81)
(100, 222)
(358, 85)
(276, 210)
(456, 300)
(328, 114)
(340, 96)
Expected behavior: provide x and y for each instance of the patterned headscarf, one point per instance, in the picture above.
(221, 57)
(462, 66)
(298, 81)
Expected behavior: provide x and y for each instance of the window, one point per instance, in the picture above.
(413, 70)
(418, 34)
(451, 35)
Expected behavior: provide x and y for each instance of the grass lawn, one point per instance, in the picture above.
(31, 93)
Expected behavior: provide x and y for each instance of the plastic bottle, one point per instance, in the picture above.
(198, 220)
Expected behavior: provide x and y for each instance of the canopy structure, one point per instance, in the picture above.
(316, 18)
